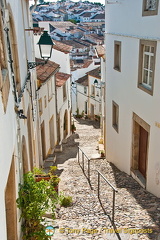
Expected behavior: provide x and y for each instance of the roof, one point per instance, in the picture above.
(100, 50)
(61, 78)
(99, 16)
(87, 64)
(45, 71)
(86, 14)
(95, 73)
(62, 47)
(83, 80)
(76, 43)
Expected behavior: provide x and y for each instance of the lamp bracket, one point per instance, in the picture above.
(32, 65)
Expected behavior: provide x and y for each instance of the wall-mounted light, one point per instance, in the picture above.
(21, 115)
(45, 47)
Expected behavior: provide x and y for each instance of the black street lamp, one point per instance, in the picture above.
(45, 47)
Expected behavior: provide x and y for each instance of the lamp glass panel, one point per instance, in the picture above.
(45, 51)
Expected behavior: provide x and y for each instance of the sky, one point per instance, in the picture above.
(101, 1)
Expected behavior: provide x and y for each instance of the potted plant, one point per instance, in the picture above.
(73, 128)
(54, 179)
(102, 153)
(39, 174)
(34, 199)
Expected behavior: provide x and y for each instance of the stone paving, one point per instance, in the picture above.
(137, 212)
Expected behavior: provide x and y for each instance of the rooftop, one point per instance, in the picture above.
(62, 47)
(95, 73)
(83, 80)
(45, 71)
(61, 78)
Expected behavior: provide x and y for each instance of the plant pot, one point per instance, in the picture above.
(102, 155)
(38, 178)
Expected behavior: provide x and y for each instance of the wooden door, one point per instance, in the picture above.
(43, 140)
(143, 142)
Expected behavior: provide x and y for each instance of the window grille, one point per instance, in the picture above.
(151, 5)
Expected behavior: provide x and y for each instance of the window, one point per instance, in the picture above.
(150, 7)
(85, 90)
(147, 65)
(4, 78)
(45, 101)
(40, 106)
(117, 55)
(64, 92)
(115, 115)
(50, 92)
(92, 90)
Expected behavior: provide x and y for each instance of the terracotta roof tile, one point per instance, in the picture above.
(95, 73)
(100, 50)
(87, 64)
(61, 78)
(62, 47)
(83, 80)
(46, 71)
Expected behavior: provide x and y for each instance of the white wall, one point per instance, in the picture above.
(81, 98)
(96, 100)
(128, 27)
(11, 127)
(49, 110)
(63, 105)
(75, 76)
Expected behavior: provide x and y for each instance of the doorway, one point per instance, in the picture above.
(143, 140)
(10, 204)
(43, 140)
(140, 147)
(51, 130)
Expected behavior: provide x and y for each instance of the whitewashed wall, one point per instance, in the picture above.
(48, 111)
(129, 27)
(75, 76)
(62, 106)
(81, 98)
(11, 127)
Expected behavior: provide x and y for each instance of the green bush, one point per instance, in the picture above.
(34, 200)
(65, 201)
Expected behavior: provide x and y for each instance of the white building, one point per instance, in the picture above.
(18, 119)
(63, 83)
(77, 74)
(89, 94)
(47, 101)
(132, 90)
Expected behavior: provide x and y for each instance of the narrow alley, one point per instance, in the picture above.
(137, 212)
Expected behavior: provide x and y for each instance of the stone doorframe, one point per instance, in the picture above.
(137, 122)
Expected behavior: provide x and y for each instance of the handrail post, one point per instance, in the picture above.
(78, 154)
(98, 184)
(113, 207)
(89, 170)
(83, 161)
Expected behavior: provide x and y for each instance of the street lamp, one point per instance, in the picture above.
(45, 47)
(96, 83)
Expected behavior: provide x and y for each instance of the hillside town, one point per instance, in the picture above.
(79, 120)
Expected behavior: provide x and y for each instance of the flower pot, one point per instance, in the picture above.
(38, 178)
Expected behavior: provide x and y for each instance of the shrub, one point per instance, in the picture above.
(65, 201)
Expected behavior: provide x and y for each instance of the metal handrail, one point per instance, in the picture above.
(99, 175)
(82, 166)
(114, 191)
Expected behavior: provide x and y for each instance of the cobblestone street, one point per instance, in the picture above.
(137, 212)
